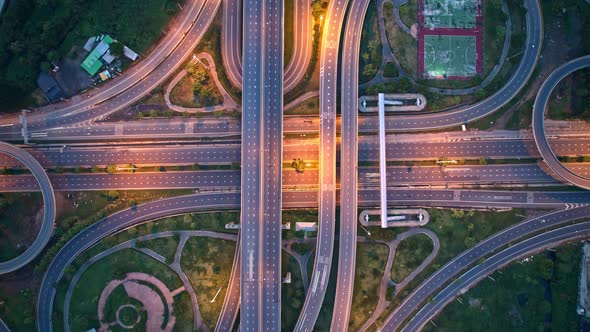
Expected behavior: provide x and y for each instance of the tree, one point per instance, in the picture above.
(111, 169)
(117, 49)
(369, 70)
(298, 165)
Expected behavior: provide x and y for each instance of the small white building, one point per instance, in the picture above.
(306, 226)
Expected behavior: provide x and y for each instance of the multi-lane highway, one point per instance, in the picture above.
(327, 165)
(470, 278)
(261, 185)
(228, 151)
(348, 166)
(534, 39)
(232, 43)
(539, 119)
(368, 178)
(42, 182)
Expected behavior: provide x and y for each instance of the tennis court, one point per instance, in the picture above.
(447, 56)
(450, 13)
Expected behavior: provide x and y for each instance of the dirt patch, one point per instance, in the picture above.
(71, 77)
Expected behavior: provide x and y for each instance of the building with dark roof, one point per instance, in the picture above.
(50, 87)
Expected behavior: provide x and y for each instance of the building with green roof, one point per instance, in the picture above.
(92, 63)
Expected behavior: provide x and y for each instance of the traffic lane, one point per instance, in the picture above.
(538, 120)
(159, 155)
(426, 121)
(148, 82)
(114, 223)
(480, 271)
(291, 179)
(483, 248)
(402, 175)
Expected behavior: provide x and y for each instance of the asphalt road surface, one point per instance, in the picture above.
(480, 271)
(534, 39)
(539, 118)
(348, 166)
(510, 235)
(44, 184)
(314, 298)
(112, 224)
(184, 34)
(262, 110)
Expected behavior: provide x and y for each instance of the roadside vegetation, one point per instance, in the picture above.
(533, 294)
(571, 98)
(470, 226)
(196, 89)
(292, 295)
(84, 304)
(208, 262)
(288, 28)
(310, 106)
(404, 47)
(165, 246)
(370, 264)
(21, 216)
(371, 53)
(410, 253)
(37, 33)
(407, 13)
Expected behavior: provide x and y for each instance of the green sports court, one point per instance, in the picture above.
(447, 56)
(450, 13)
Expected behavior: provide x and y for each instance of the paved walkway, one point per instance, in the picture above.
(175, 266)
(228, 102)
(386, 281)
(302, 260)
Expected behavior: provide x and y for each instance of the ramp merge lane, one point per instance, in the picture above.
(327, 161)
(539, 121)
(49, 204)
(262, 105)
(348, 166)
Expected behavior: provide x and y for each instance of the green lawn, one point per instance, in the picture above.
(165, 246)
(515, 300)
(410, 253)
(208, 262)
(404, 46)
(371, 54)
(370, 265)
(81, 209)
(408, 13)
(457, 230)
(83, 309)
(390, 70)
(196, 92)
(308, 107)
(292, 295)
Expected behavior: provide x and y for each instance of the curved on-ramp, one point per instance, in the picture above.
(539, 121)
(231, 43)
(437, 120)
(49, 205)
(496, 262)
(113, 224)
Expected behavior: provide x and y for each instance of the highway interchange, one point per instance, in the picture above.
(255, 142)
